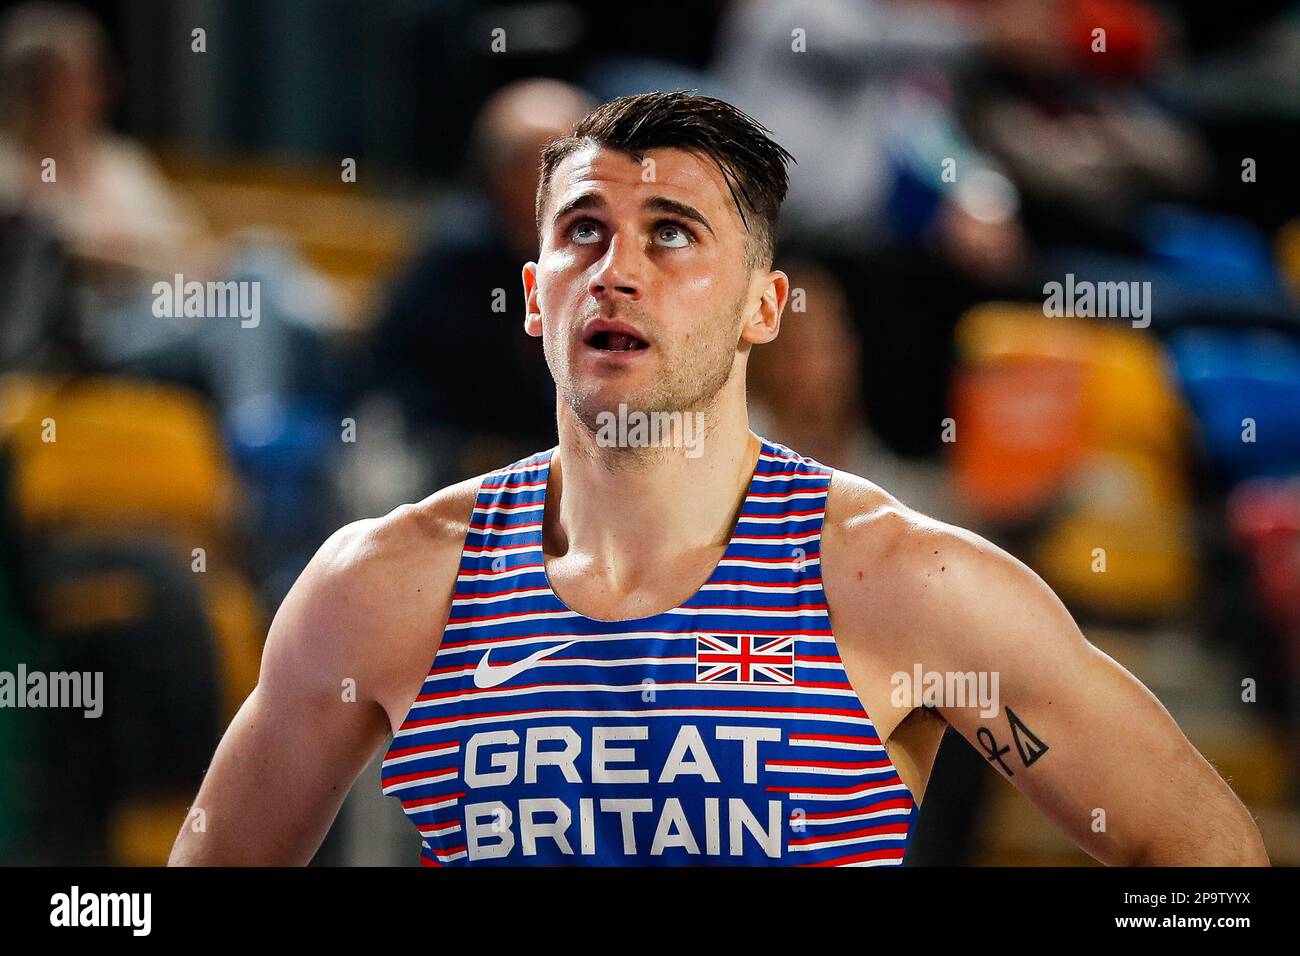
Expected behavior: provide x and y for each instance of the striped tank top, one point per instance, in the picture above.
(721, 732)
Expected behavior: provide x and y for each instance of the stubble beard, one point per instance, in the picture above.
(689, 381)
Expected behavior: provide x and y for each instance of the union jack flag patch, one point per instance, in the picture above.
(744, 660)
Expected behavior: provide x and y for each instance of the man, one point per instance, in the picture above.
(633, 658)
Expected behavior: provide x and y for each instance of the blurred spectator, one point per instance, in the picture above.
(38, 310)
(858, 92)
(805, 392)
(450, 344)
(1070, 121)
(1240, 86)
(65, 175)
(887, 185)
(102, 192)
(275, 379)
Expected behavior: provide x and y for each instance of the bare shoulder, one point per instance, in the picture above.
(370, 602)
(916, 579)
(374, 559)
(865, 521)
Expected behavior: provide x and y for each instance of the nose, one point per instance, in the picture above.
(619, 272)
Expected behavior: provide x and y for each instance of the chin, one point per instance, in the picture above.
(593, 405)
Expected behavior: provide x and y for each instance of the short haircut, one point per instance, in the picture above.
(752, 164)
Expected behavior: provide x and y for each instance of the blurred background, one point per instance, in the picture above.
(372, 167)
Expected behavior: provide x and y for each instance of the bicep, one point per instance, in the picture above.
(298, 742)
(1083, 739)
(1087, 744)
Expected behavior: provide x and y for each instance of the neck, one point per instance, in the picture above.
(633, 508)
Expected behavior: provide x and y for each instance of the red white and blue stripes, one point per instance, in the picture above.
(721, 732)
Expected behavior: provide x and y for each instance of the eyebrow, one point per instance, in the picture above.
(592, 200)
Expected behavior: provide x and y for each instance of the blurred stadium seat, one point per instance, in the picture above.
(1070, 428)
(71, 438)
(1244, 385)
(351, 237)
(112, 508)
(134, 456)
(1018, 406)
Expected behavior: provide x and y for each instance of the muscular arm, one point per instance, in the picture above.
(345, 652)
(1082, 736)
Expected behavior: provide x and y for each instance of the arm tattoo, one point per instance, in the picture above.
(1029, 746)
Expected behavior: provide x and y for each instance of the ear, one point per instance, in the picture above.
(764, 321)
(532, 312)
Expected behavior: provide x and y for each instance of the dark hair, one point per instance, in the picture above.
(752, 164)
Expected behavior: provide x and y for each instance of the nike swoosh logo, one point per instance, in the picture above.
(488, 675)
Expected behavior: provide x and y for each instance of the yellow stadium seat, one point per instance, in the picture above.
(1129, 394)
(111, 458)
(141, 832)
(1123, 546)
(101, 452)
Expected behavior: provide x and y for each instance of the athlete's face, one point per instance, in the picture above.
(641, 292)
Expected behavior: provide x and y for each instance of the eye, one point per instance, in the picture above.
(585, 232)
(673, 235)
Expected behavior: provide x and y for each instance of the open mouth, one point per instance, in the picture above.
(607, 341)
